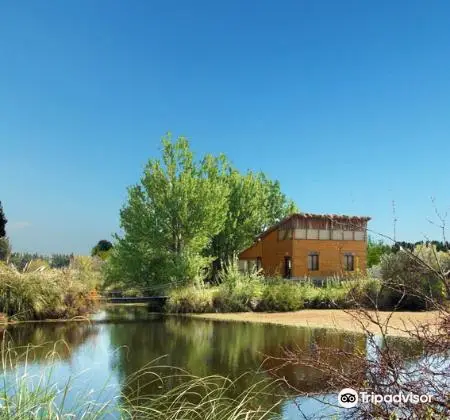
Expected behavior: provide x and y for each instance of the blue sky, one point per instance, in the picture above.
(345, 103)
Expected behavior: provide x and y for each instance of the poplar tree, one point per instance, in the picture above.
(255, 203)
(186, 214)
(170, 217)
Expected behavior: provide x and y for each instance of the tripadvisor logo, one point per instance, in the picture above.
(348, 398)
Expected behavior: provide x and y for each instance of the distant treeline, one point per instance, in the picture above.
(375, 250)
(21, 259)
(440, 245)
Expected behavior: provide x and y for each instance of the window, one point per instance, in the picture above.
(349, 262)
(313, 261)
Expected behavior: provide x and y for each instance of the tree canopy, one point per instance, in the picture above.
(102, 249)
(186, 213)
(375, 250)
(102, 246)
(254, 203)
(3, 222)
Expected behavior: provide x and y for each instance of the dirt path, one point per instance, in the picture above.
(329, 318)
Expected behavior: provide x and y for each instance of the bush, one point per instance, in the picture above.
(241, 292)
(281, 296)
(408, 284)
(241, 298)
(238, 292)
(341, 293)
(249, 292)
(191, 299)
(364, 292)
(88, 271)
(331, 297)
(375, 251)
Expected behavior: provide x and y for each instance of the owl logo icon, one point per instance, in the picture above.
(348, 398)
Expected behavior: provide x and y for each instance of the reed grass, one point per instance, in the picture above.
(155, 392)
(43, 293)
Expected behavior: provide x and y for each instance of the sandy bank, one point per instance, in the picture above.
(398, 325)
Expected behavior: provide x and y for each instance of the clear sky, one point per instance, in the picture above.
(346, 103)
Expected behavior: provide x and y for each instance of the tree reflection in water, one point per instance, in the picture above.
(43, 342)
(205, 347)
(131, 338)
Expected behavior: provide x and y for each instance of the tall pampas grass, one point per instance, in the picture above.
(40, 293)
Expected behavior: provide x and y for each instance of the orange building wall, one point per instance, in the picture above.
(272, 251)
(331, 255)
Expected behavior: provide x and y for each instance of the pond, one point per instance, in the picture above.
(102, 355)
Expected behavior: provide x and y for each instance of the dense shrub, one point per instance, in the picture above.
(364, 292)
(328, 297)
(187, 299)
(45, 293)
(238, 292)
(251, 292)
(88, 270)
(375, 250)
(341, 293)
(408, 283)
(281, 296)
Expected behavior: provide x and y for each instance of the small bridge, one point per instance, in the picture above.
(132, 299)
(119, 298)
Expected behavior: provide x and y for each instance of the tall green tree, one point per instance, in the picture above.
(255, 203)
(185, 214)
(179, 205)
(3, 222)
(375, 250)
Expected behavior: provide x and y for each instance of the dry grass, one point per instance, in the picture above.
(44, 293)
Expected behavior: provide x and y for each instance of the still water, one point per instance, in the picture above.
(101, 356)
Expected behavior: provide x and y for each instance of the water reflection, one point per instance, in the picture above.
(124, 339)
(39, 342)
(210, 347)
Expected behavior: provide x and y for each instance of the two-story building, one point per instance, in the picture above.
(312, 245)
